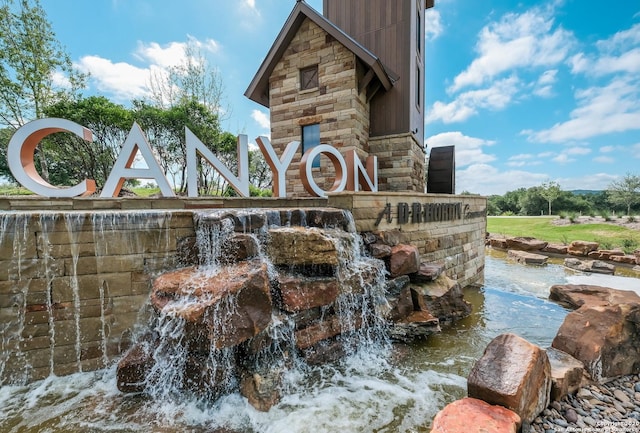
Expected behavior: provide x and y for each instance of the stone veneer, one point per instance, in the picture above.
(401, 162)
(336, 104)
(90, 263)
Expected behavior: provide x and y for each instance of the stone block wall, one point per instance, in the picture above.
(401, 162)
(342, 112)
(447, 229)
(72, 285)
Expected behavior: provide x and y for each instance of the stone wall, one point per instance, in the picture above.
(73, 283)
(343, 113)
(401, 162)
(447, 229)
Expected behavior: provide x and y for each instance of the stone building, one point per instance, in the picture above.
(352, 78)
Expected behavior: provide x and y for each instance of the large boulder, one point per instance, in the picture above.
(306, 246)
(512, 373)
(133, 368)
(404, 260)
(427, 272)
(226, 308)
(605, 338)
(627, 259)
(527, 258)
(589, 266)
(303, 293)
(553, 248)
(566, 373)
(471, 415)
(575, 296)
(417, 325)
(499, 243)
(582, 248)
(525, 244)
(443, 298)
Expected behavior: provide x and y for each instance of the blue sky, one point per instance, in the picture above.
(529, 91)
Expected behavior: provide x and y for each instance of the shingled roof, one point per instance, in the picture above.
(258, 90)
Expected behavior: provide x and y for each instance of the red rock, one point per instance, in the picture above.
(603, 338)
(471, 415)
(525, 244)
(566, 373)
(380, 251)
(405, 260)
(442, 297)
(498, 243)
(512, 373)
(582, 248)
(527, 258)
(626, 259)
(227, 308)
(391, 237)
(303, 293)
(262, 391)
(417, 325)
(427, 272)
(306, 246)
(323, 330)
(577, 295)
(593, 266)
(133, 368)
(555, 249)
(606, 254)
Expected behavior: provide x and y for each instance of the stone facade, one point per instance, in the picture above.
(401, 163)
(336, 105)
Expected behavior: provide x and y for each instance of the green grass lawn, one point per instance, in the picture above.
(607, 235)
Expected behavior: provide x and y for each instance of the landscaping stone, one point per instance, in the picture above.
(591, 266)
(471, 415)
(525, 244)
(405, 260)
(555, 249)
(527, 258)
(566, 373)
(582, 248)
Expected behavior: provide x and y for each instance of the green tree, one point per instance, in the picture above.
(550, 191)
(625, 192)
(35, 71)
(75, 159)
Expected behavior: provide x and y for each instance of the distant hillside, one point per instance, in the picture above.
(585, 191)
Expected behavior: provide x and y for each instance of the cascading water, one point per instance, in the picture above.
(184, 354)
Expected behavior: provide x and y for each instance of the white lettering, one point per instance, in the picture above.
(278, 166)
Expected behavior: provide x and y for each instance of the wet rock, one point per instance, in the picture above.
(327, 328)
(603, 338)
(306, 246)
(324, 352)
(582, 248)
(262, 390)
(566, 373)
(226, 308)
(577, 295)
(594, 266)
(241, 247)
(471, 415)
(380, 251)
(391, 237)
(512, 373)
(417, 325)
(527, 258)
(133, 368)
(427, 272)
(300, 294)
(525, 244)
(442, 297)
(405, 260)
(555, 249)
(399, 301)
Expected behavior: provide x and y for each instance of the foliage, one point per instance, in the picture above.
(625, 191)
(35, 71)
(550, 191)
(72, 159)
(629, 245)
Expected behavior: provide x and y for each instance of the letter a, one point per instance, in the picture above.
(136, 141)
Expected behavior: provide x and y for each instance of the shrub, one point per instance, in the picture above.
(631, 219)
(565, 239)
(606, 215)
(629, 245)
(508, 213)
(573, 217)
(562, 215)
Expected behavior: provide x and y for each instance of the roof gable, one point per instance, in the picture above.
(258, 90)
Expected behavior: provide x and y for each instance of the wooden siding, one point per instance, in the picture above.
(387, 28)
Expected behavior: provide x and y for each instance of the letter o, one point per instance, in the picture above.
(306, 173)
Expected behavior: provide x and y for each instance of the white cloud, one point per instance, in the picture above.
(595, 181)
(469, 150)
(618, 54)
(261, 118)
(123, 80)
(523, 159)
(544, 86)
(433, 24)
(601, 110)
(487, 180)
(607, 149)
(496, 97)
(636, 150)
(516, 41)
(577, 151)
(604, 160)
(563, 158)
(173, 53)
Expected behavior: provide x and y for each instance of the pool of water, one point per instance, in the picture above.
(392, 389)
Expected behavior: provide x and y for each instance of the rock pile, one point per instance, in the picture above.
(290, 283)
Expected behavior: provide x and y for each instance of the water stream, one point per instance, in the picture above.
(385, 389)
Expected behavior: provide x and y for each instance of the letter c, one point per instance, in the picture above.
(21, 153)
